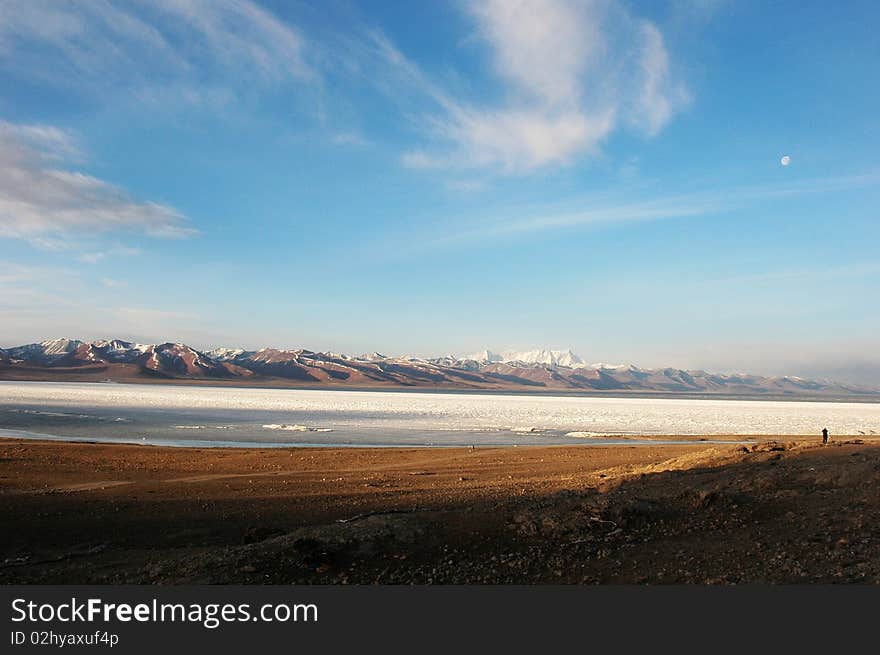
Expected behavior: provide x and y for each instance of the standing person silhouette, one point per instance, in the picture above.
(824, 436)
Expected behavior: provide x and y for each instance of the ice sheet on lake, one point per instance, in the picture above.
(274, 415)
(295, 428)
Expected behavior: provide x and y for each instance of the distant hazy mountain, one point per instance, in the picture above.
(68, 359)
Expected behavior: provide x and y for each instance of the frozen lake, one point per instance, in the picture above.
(223, 416)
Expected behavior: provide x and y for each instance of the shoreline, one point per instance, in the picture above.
(276, 385)
(598, 440)
(655, 514)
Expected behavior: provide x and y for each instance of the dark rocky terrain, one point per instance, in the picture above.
(768, 512)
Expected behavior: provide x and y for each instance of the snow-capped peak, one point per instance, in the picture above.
(120, 346)
(485, 356)
(538, 356)
(612, 367)
(59, 346)
(225, 354)
(371, 357)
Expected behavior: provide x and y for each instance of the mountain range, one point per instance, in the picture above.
(536, 370)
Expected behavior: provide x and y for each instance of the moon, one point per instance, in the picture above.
(785, 161)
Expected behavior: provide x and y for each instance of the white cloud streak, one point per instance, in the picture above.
(543, 47)
(102, 42)
(574, 72)
(651, 210)
(656, 100)
(241, 32)
(95, 256)
(610, 212)
(44, 203)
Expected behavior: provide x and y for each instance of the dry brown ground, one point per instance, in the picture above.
(784, 511)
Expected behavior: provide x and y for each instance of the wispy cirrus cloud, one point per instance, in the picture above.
(573, 73)
(112, 283)
(352, 139)
(132, 44)
(615, 209)
(94, 256)
(13, 274)
(155, 53)
(655, 101)
(597, 214)
(27, 290)
(43, 201)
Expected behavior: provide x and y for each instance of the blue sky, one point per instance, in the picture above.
(424, 178)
